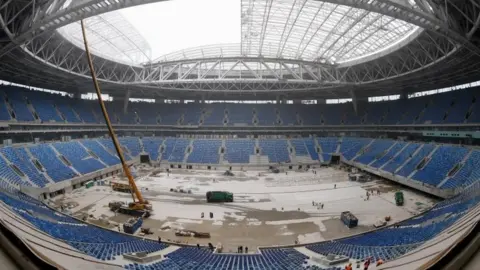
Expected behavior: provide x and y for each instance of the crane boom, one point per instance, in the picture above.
(131, 181)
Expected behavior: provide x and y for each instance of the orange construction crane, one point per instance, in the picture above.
(138, 204)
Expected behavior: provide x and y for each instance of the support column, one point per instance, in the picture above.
(321, 101)
(125, 101)
(354, 100)
(203, 98)
(277, 99)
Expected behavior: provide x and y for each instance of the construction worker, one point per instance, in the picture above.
(366, 264)
(349, 267)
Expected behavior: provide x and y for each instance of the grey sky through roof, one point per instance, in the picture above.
(292, 29)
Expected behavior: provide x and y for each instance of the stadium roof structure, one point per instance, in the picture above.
(291, 48)
(110, 36)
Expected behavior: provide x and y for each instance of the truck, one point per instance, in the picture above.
(132, 225)
(219, 196)
(349, 219)
(399, 198)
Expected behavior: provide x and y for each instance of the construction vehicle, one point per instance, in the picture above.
(132, 225)
(349, 219)
(139, 206)
(399, 198)
(122, 208)
(219, 196)
(121, 187)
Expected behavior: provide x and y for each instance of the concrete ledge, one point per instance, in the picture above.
(442, 193)
(69, 185)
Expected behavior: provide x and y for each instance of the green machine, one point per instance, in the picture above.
(219, 196)
(399, 198)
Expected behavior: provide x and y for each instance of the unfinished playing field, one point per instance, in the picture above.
(269, 209)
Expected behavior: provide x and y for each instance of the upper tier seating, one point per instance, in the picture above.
(276, 150)
(4, 113)
(65, 108)
(205, 152)
(43, 105)
(309, 114)
(19, 104)
(376, 113)
(239, 151)
(85, 111)
(239, 114)
(215, 115)
(55, 168)
(266, 115)
(454, 107)
(191, 114)
(288, 114)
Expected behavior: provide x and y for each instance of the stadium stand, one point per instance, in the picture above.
(101, 152)
(276, 150)
(387, 243)
(414, 160)
(205, 152)
(178, 151)
(55, 168)
(398, 160)
(448, 108)
(20, 158)
(300, 147)
(388, 155)
(152, 145)
(441, 162)
(350, 147)
(468, 173)
(239, 151)
(372, 152)
(132, 144)
(328, 145)
(81, 160)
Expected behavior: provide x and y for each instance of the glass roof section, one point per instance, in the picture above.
(110, 36)
(316, 30)
(308, 30)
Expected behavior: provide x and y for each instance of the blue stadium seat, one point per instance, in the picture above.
(152, 145)
(276, 150)
(239, 151)
(54, 167)
(81, 160)
(205, 152)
